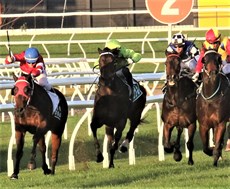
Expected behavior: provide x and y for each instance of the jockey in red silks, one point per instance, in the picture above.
(212, 42)
(31, 62)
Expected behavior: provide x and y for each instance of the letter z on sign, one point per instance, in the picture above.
(169, 11)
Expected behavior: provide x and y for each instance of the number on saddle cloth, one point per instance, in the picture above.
(136, 90)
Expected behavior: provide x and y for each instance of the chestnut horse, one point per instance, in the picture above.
(178, 108)
(34, 113)
(213, 104)
(112, 106)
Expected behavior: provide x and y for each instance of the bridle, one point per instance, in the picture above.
(27, 95)
(103, 74)
(175, 77)
(218, 73)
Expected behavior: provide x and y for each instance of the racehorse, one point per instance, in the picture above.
(112, 106)
(213, 104)
(178, 108)
(34, 113)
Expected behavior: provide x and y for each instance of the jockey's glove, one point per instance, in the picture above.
(35, 72)
(9, 59)
(195, 77)
(136, 57)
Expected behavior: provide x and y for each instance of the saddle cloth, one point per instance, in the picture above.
(136, 91)
(54, 98)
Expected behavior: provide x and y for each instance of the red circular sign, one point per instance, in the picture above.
(169, 11)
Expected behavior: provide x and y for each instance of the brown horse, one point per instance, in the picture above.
(213, 104)
(34, 113)
(178, 108)
(112, 106)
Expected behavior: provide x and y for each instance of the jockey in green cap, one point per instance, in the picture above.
(122, 61)
(123, 52)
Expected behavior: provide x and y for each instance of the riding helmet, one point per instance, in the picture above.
(178, 39)
(31, 55)
(113, 44)
(212, 36)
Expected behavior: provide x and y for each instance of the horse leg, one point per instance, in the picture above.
(20, 140)
(168, 147)
(134, 122)
(32, 163)
(110, 135)
(94, 127)
(219, 142)
(204, 134)
(56, 143)
(42, 148)
(190, 144)
(117, 136)
(177, 153)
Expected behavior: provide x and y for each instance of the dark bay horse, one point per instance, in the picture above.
(213, 104)
(178, 108)
(112, 107)
(34, 113)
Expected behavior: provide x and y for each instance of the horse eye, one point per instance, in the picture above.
(27, 90)
(14, 91)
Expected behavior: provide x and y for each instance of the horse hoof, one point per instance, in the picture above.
(47, 172)
(31, 165)
(100, 158)
(208, 152)
(168, 150)
(177, 156)
(190, 162)
(123, 149)
(14, 177)
(111, 166)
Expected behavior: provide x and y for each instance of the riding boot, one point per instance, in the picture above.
(129, 79)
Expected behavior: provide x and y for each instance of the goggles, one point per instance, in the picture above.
(179, 46)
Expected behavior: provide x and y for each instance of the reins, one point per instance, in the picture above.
(217, 89)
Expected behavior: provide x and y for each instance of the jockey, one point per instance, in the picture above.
(122, 62)
(213, 41)
(31, 62)
(187, 51)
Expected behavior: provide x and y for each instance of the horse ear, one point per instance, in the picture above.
(203, 60)
(99, 50)
(15, 77)
(115, 51)
(220, 59)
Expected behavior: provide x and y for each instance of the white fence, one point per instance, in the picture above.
(79, 101)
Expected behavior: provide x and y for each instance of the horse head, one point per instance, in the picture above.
(107, 63)
(173, 68)
(22, 92)
(212, 62)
